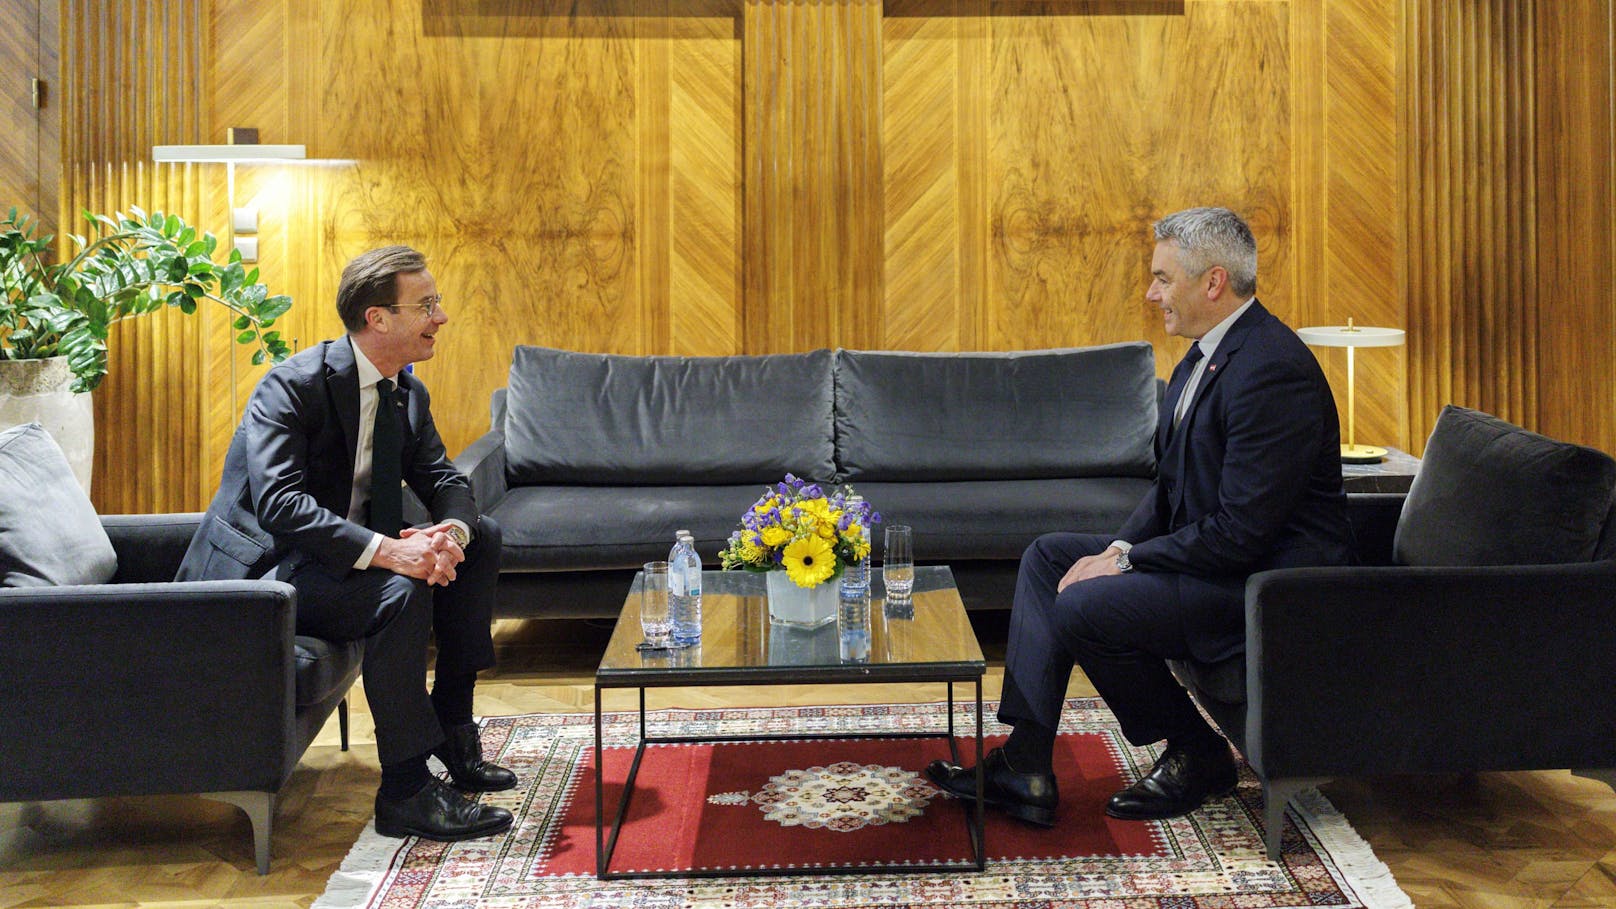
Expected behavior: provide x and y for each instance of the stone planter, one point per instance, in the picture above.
(800, 606)
(36, 391)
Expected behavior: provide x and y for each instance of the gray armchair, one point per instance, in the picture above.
(1478, 634)
(143, 686)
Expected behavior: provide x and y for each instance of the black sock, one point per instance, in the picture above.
(405, 778)
(1030, 748)
(1201, 739)
(451, 698)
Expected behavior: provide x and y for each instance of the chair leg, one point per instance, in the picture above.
(1606, 775)
(342, 721)
(1276, 795)
(260, 808)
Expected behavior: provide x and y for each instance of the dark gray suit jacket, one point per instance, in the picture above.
(288, 476)
(1251, 479)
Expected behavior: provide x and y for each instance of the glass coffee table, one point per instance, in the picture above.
(930, 641)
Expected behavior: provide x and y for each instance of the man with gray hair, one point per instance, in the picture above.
(1248, 479)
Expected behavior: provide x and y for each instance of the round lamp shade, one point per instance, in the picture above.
(1351, 336)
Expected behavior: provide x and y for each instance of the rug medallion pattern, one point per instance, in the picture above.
(744, 806)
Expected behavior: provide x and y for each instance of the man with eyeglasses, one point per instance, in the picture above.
(311, 495)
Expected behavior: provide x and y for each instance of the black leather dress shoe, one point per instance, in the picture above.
(462, 753)
(1181, 780)
(439, 813)
(1028, 797)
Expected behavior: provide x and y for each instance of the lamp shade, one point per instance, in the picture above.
(227, 154)
(1350, 335)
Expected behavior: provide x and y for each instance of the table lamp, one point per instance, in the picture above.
(1352, 337)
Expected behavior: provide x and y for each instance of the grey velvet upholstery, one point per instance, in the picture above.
(1388, 668)
(576, 418)
(143, 686)
(48, 530)
(593, 461)
(1489, 493)
(909, 417)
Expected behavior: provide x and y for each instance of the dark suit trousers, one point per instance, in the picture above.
(395, 615)
(1121, 629)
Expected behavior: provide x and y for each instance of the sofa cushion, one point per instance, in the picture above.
(562, 528)
(569, 528)
(1491, 493)
(1077, 412)
(998, 519)
(323, 667)
(604, 418)
(49, 532)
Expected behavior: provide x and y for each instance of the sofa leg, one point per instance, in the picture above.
(342, 721)
(1276, 795)
(260, 808)
(1606, 775)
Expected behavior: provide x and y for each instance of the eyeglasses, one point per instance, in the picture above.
(425, 307)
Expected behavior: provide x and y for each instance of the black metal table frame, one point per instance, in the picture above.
(604, 847)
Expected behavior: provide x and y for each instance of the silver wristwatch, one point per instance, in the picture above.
(1124, 564)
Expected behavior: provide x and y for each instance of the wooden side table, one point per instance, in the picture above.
(1394, 474)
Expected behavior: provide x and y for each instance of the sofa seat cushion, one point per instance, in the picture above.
(1491, 493)
(604, 418)
(323, 667)
(562, 528)
(1078, 412)
(998, 519)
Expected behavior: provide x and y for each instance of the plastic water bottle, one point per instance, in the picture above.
(684, 591)
(856, 577)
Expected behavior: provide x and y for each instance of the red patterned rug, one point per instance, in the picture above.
(742, 807)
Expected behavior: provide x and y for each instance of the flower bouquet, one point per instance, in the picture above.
(798, 532)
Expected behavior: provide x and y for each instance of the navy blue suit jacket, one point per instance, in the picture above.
(1251, 478)
(288, 476)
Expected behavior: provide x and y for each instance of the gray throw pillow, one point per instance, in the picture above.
(1491, 493)
(49, 532)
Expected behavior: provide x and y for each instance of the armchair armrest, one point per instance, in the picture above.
(130, 689)
(483, 462)
(1431, 669)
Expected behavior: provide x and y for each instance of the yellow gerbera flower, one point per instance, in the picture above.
(810, 561)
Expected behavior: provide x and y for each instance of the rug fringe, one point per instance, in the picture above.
(363, 870)
(1371, 880)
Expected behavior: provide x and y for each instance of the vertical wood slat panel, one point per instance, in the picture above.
(124, 73)
(1472, 236)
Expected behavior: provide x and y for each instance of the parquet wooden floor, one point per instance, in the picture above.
(1481, 841)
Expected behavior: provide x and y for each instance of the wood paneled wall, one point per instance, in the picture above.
(724, 176)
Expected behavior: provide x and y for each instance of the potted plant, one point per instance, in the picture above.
(55, 317)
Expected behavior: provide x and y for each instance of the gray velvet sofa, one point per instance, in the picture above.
(594, 460)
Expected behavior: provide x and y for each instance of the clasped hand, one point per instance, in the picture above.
(428, 553)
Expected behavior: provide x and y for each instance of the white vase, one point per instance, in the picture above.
(800, 606)
(36, 391)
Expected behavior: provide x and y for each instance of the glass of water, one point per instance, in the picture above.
(898, 561)
(654, 604)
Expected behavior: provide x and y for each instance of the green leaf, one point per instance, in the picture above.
(247, 337)
(173, 226)
(258, 358)
(241, 323)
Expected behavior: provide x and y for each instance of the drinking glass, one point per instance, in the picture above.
(898, 561)
(654, 604)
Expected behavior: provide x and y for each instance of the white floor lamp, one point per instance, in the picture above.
(1352, 337)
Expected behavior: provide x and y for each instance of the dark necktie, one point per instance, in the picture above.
(1175, 388)
(386, 465)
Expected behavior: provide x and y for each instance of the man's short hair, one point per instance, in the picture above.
(371, 279)
(1213, 236)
